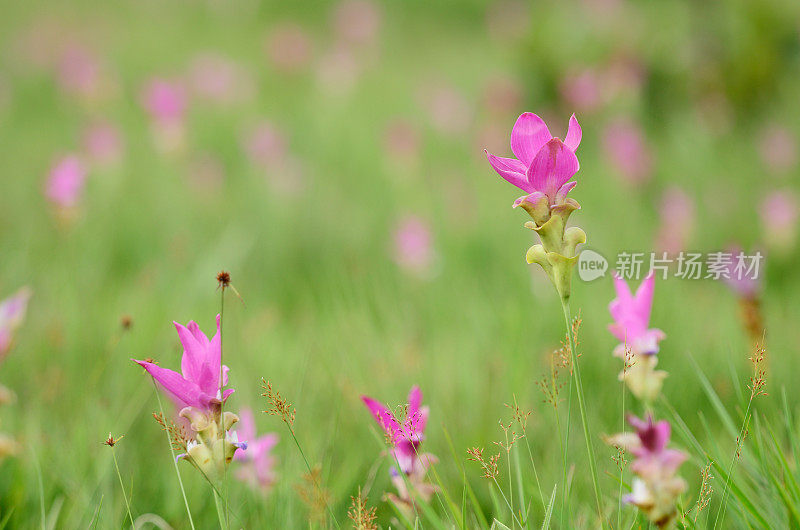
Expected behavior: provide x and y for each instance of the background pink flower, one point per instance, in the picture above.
(66, 182)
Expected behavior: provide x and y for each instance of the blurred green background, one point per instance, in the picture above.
(330, 156)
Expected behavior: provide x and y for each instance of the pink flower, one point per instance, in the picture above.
(405, 436)
(743, 280)
(631, 316)
(582, 90)
(199, 383)
(66, 182)
(265, 145)
(543, 165)
(627, 151)
(258, 464)
(164, 101)
(217, 79)
(401, 140)
(779, 215)
(652, 456)
(12, 313)
(289, 48)
(413, 245)
(103, 143)
(357, 22)
(79, 71)
(778, 149)
(677, 214)
(448, 110)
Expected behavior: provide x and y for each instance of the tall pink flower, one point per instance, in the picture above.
(198, 384)
(779, 215)
(258, 464)
(631, 315)
(413, 245)
(741, 278)
(12, 313)
(405, 436)
(165, 101)
(544, 165)
(66, 182)
(626, 149)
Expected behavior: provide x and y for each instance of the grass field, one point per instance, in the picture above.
(382, 115)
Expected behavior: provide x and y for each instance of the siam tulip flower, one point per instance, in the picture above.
(198, 389)
(544, 165)
(357, 22)
(656, 487)
(289, 48)
(258, 464)
(102, 143)
(779, 215)
(12, 313)
(413, 245)
(405, 437)
(448, 109)
(66, 182)
(677, 216)
(543, 168)
(778, 149)
(81, 72)
(638, 343)
(746, 283)
(218, 79)
(626, 149)
(582, 90)
(401, 141)
(165, 102)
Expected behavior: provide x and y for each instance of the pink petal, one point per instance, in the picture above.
(414, 400)
(552, 167)
(382, 415)
(510, 169)
(528, 136)
(197, 333)
(574, 133)
(531, 198)
(561, 195)
(185, 391)
(644, 298)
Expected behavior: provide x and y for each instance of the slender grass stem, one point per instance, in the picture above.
(310, 472)
(223, 524)
(222, 401)
(739, 442)
(513, 515)
(174, 461)
(535, 473)
(122, 485)
(576, 376)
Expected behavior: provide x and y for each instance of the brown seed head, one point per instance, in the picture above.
(111, 441)
(223, 279)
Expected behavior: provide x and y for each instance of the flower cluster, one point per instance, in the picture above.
(198, 389)
(404, 436)
(638, 343)
(543, 169)
(656, 487)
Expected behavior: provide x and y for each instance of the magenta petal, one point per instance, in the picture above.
(574, 133)
(414, 401)
(185, 391)
(382, 415)
(227, 393)
(194, 353)
(561, 195)
(197, 333)
(552, 167)
(528, 136)
(510, 169)
(644, 298)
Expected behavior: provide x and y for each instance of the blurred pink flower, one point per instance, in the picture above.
(79, 71)
(677, 214)
(258, 464)
(631, 314)
(102, 143)
(448, 110)
(779, 215)
(66, 182)
(582, 90)
(778, 148)
(502, 95)
(405, 435)
(265, 145)
(165, 101)
(627, 150)
(742, 280)
(413, 245)
(198, 384)
(401, 140)
(544, 165)
(289, 48)
(12, 313)
(357, 22)
(218, 79)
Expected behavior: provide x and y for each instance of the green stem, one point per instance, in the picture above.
(174, 460)
(122, 485)
(220, 511)
(222, 405)
(576, 376)
(564, 448)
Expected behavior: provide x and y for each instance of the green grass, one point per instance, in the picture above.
(327, 316)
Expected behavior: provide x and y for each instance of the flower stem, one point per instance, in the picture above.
(576, 376)
(174, 461)
(220, 511)
(222, 403)
(122, 485)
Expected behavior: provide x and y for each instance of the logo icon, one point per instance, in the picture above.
(591, 265)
